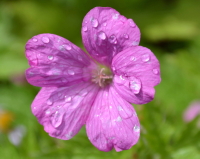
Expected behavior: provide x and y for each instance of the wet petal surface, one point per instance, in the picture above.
(64, 110)
(105, 33)
(56, 61)
(136, 71)
(113, 122)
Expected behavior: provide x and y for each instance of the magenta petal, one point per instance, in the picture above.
(105, 33)
(137, 71)
(112, 122)
(56, 61)
(64, 110)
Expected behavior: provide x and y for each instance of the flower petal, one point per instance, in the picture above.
(112, 122)
(56, 61)
(137, 71)
(105, 33)
(64, 110)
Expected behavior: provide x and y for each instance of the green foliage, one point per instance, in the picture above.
(169, 28)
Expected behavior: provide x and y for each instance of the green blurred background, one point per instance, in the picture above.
(170, 28)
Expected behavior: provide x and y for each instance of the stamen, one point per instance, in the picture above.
(102, 79)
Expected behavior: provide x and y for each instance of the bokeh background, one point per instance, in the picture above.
(170, 28)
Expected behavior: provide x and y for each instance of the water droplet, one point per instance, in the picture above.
(50, 57)
(85, 28)
(69, 135)
(84, 93)
(135, 86)
(135, 43)
(115, 16)
(70, 72)
(49, 102)
(118, 119)
(80, 58)
(95, 23)
(63, 80)
(112, 39)
(145, 57)
(35, 40)
(45, 40)
(85, 22)
(126, 36)
(62, 48)
(68, 99)
(132, 58)
(102, 35)
(131, 23)
(120, 108)
(121, 77)
(68, 47)
(136, 128)
(113, 68)
(155, 71)
(47, 112)
(104, 24)
(57, 118)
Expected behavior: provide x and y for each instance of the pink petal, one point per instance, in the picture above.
(105, 33)
(64, 110)
(136, 71)
(112, 122)
(56, 61)
(192, 111)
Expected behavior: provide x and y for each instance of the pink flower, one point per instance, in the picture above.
(192, 111)
(95, 91)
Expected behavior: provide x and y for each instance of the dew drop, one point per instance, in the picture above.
(45, 40)
(131, 23)
(102, 35)
(47, 112)
(35, 40)
(119, 119)
(104, 24)
(145, 57)
(132, 58)
(126, 36)
(63, 80)
(71, 72)
(50, 57)
(49, 102)
(69, 135)
(112, 39)
(135, 43)
(84, 93)
(155, 71)
(121, 77)
(57, 118)
(135, 86)
(85, 28)
(68, 47)
(95, 23)
(115, 16)
(80, 58)
(120, 108)
(136, 128)
(68, 99)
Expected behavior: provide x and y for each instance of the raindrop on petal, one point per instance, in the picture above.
(45, 40)
(50, 57)
(68, 47)
(131, 23)
(49, 102)
(155, 71)
(35, 40)
(136, 128)
(95, 23)
(132, 58)
(47, 112)
(57, 118)
(70, 72)
(135, 86)
(104, 24)
(112, 39)
(126, 36)
(102, 35)
(85, 28)
(115, 16)
(68, 99)
(145, 57)
(135, 43)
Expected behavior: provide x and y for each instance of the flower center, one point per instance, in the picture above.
(102, 77)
